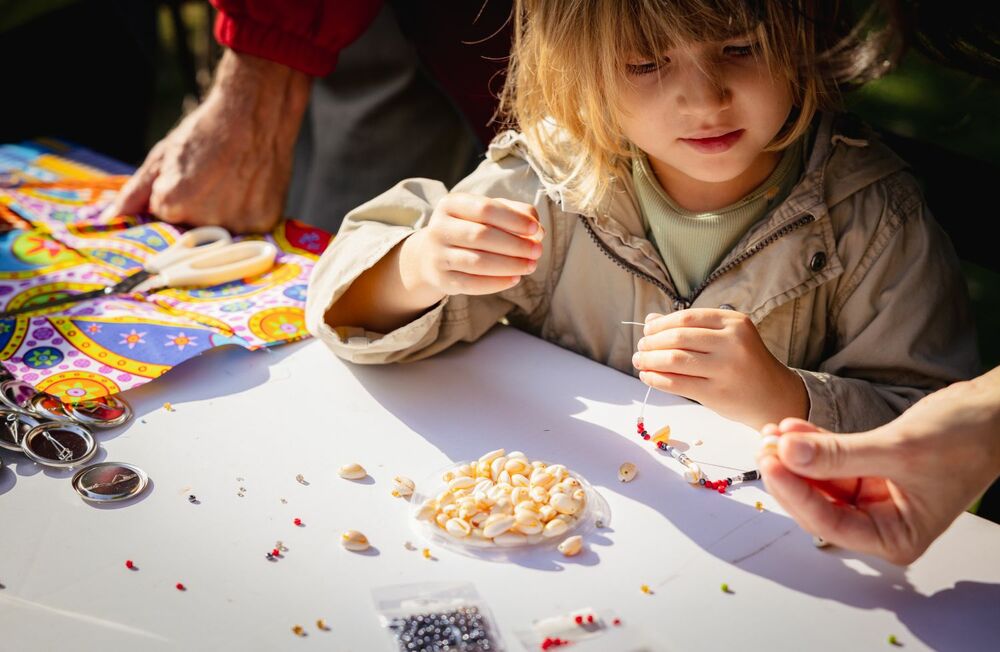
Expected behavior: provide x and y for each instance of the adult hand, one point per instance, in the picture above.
(893, 490)
(716, 357)
(229, 161)
(473, 245)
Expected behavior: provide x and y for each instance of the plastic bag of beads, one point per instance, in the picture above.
(437, 617)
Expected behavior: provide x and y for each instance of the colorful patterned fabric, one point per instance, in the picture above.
(51, 197)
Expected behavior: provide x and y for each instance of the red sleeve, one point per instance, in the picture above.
(306, 35)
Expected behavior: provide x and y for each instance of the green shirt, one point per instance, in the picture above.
(693, 244)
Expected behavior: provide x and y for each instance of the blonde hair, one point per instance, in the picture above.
(569, 59)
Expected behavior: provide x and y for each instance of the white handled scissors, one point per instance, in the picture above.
(202, 257)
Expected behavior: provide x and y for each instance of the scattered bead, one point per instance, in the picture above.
(353, 471)
(427, 553)
(627, 472)
(725, 588)
(402, 487)
(301, 479)
(298, 630)
(698, 442)
(298, 522)
(354, 541)
(645, 589)
(894, 641)
(590, 618)
(321, 625)
(722, 488)
(129, 565)
(280, 546)
(276, 552)
(571, 546)
(759, 506)
(180, 587)
(193, 499)
(617, 622)
(579, 620)
(168, 407)
(820, 542)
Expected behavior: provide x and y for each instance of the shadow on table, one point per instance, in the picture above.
(516, 405)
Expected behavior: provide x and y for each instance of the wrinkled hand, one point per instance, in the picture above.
(716, 357)
(229, 161)
(474, 245)
(907, 480)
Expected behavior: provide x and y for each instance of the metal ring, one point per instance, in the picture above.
(63, 456)
(75, 411)
(10, 402)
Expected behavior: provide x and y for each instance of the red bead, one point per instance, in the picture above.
(547, 643)
(276, 552)
(297, 521)
(579, 620)
(181, 587)
(129, 565)
(722, 488)
(590, 618)
(709, 484)
(616, 622)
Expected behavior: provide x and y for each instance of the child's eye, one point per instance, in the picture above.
(645, 67)
(739, 50)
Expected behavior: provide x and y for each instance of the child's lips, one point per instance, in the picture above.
(714, 144)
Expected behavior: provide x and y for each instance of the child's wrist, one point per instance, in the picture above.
(420, 292)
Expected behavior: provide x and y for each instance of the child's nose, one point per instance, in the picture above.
(702, 91)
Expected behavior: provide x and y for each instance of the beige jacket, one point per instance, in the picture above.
(849, 281)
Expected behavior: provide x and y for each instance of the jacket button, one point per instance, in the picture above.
(727, 306)
(818, 261)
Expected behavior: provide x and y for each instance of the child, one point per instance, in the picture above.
(672, 168)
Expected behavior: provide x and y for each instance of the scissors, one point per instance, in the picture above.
(202, 257)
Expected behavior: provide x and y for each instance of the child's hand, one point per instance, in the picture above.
(474, 245)
(716, 357)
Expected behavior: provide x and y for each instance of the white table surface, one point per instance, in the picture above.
(267, 416)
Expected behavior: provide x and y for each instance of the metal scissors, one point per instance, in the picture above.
(202, 257)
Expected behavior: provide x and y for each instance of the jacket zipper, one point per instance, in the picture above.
(681, 303)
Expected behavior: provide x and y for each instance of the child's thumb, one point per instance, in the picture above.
(828, 457)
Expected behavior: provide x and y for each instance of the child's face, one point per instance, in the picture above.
(706, 114)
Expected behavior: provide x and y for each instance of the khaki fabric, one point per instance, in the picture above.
(849, 281)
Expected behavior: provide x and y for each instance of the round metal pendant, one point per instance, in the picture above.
(103, 412)
(59, 443)
(48, 406)
(13, 427)
(109, 482)
(17, 395)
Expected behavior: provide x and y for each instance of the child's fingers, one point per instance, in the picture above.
(474, 284)
(513, 217)
(693, 318)
(670, 361)
(473, 235)
(687, 386)
(484, 263)
(701, 340)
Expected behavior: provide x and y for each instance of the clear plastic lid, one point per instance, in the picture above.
(594, 514)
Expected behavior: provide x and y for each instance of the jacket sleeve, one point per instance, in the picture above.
(306, 35)
(370, 231)
(901, 318)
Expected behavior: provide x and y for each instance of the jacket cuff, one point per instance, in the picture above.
(333, 275)
(243, 34)
(822, 403)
